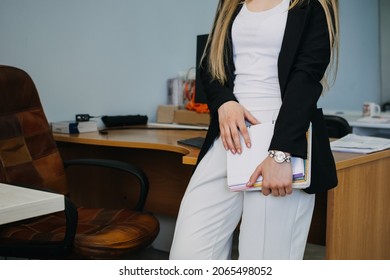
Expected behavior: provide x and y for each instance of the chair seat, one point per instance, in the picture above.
(101, 233)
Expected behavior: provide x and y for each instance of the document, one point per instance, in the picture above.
(241, 166)
(360, 144)
(374, 120)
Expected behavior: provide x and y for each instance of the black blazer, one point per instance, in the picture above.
(303, 59)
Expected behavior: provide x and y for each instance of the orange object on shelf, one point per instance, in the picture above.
(189, 94)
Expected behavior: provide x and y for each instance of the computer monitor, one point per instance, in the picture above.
(200, 96)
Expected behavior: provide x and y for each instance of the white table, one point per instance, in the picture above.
(17, 203)
(370, 127)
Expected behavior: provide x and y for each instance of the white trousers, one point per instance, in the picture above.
(271, 227)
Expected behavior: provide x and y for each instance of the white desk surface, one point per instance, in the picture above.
(17, 203)
(355, 119)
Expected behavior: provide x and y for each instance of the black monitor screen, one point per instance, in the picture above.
(200, 96)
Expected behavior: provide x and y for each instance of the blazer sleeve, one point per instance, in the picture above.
(303, 88)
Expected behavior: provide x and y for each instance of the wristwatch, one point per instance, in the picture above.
(279, 156)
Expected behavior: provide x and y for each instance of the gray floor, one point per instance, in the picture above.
(312, 252)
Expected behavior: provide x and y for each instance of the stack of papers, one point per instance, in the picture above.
(241, 166)
(374, 120)
(360, 144)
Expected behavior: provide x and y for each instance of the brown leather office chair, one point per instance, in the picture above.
(29, 157)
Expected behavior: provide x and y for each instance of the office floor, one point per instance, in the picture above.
(312, 252)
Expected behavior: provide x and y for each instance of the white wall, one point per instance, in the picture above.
(114, 57)
(358, 77)
(385, 48)
(99, 56)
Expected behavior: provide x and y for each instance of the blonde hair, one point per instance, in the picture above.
(219, 35)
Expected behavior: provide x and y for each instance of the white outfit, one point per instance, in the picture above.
(271, 227)
(257, 39)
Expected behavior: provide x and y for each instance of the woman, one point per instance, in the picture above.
(265, 61)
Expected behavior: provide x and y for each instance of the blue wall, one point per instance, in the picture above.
(358, 77)
(114, 57)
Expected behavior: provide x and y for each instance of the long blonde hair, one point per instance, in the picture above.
(219, 36)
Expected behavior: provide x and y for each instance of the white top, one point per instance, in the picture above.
(257, 39)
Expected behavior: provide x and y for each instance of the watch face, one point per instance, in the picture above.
(280, 157)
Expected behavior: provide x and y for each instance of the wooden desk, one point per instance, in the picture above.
(358, 210)
(354, 217)
(17, 203)
(155, 150)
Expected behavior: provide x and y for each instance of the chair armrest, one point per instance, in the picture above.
(119, 165)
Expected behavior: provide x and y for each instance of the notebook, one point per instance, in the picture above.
(241, 166)
(194, 142)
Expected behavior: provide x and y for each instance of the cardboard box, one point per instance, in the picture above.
(165, 113)
(183, 116)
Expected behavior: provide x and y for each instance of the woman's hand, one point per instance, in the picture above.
(232, 116)
(277, 177)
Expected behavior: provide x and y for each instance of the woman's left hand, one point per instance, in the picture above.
(277, 177)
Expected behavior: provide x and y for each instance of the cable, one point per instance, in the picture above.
(85, 117)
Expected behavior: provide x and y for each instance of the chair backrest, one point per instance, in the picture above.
(337, 126)
(28, 152)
